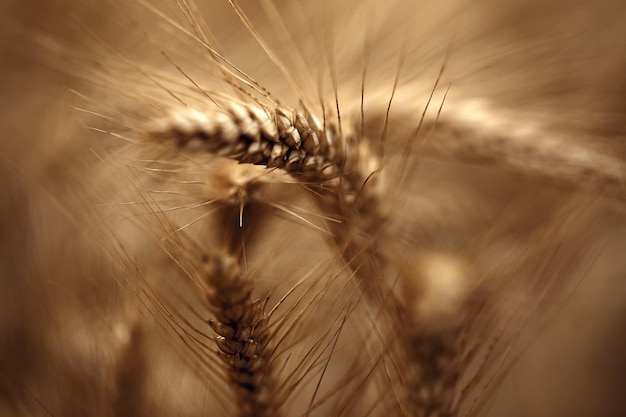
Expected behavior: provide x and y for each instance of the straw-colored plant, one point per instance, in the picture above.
(292, 209)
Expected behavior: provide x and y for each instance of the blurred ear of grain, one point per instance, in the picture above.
(91, 262)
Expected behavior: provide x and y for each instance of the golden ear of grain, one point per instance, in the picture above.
(276, 138)
(242, 336)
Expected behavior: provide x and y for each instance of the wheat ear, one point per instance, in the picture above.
(240, 323)
(474, 132)
(242, 335)
(287, 139)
